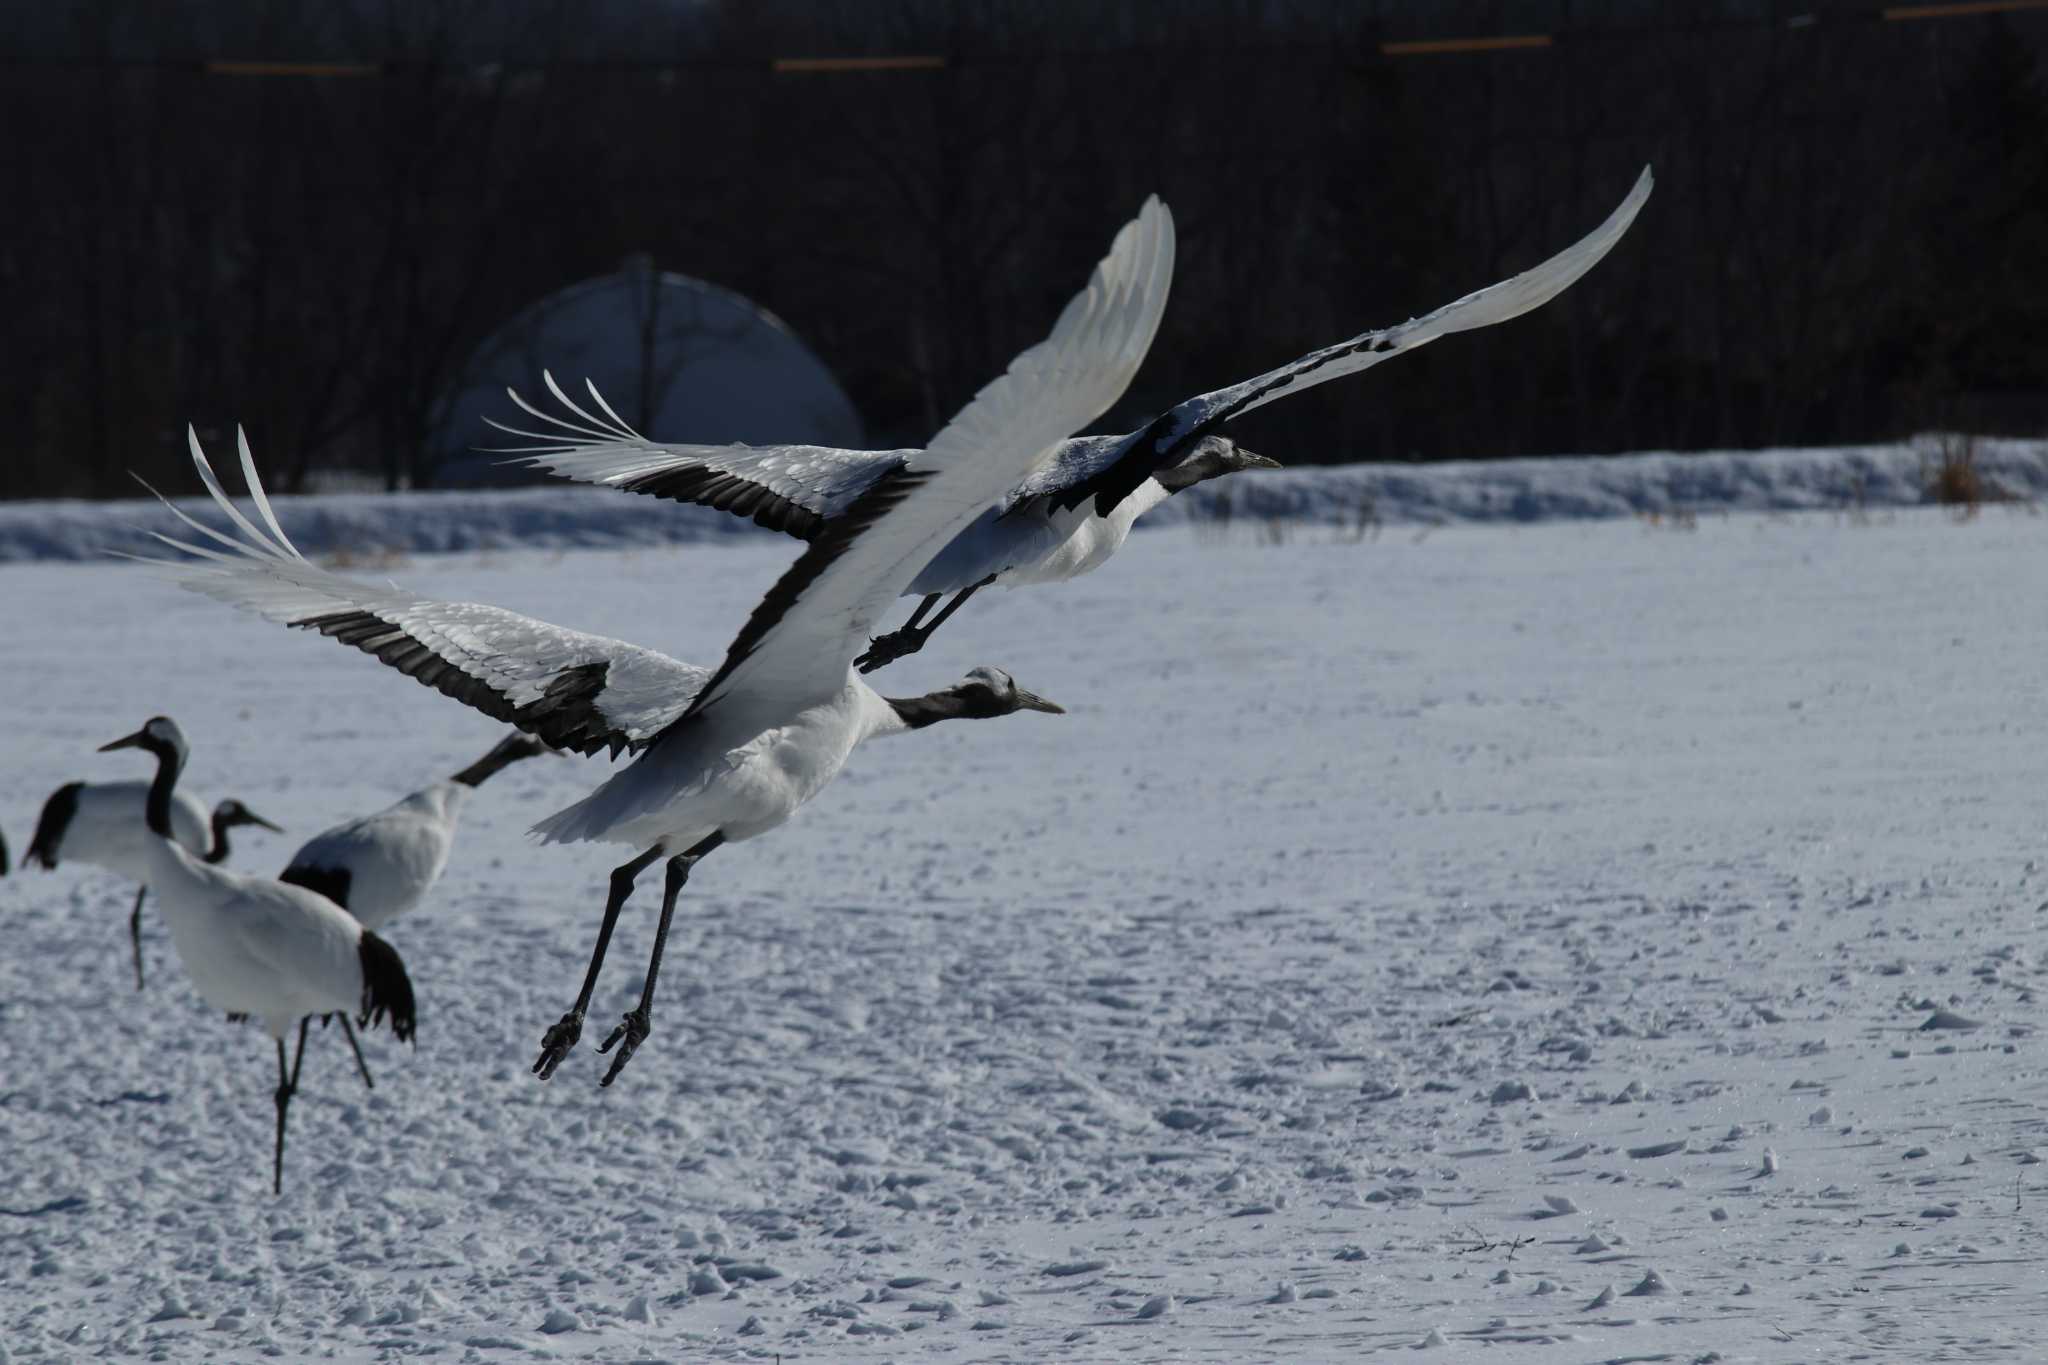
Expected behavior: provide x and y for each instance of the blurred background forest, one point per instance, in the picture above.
(306, 217)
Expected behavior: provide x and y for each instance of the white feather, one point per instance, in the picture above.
(106, 829)
(1016, 421)
(517, 657)
(392, 858)
(1486, 307)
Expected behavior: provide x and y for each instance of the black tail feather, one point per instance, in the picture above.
(331, 882)
(387, 990)
(51, 824)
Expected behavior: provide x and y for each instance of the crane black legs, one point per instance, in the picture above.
(633, 1028)
(555, 1044)
(135, 933)
(348, 1032)
(886, 649)
(287, 1086)
(633, 1031)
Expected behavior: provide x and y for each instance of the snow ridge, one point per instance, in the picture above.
(1566, 488)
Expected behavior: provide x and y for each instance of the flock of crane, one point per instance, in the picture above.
(1003, 494)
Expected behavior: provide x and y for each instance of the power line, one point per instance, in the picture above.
(1430, 47)
(293, 69)
(1961, 9)
(1473, 44)
(902, 63)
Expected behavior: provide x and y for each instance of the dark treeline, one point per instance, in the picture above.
(1849, 240)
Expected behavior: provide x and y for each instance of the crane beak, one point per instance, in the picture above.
(133, 741)
(1253, 461)
(1031, 701)
(250, 817)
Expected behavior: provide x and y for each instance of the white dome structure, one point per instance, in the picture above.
(679, 359)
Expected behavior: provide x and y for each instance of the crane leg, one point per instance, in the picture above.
(287, 1086)
(632, 1030)
(889, 647)
(555, 1045)
(925, 604)
(135, 933)
(348, 1032)
(886, 649)
(954, 605)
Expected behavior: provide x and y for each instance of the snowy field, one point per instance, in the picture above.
(1587, 941)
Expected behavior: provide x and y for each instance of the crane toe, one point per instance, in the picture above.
(627, 1037)
(887, 649)
(557, 1042)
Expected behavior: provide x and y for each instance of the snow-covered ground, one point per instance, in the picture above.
(562, 516)
(1528, 941)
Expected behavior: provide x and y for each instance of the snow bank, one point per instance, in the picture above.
(1565, 488)
(1569, 488)
(368, 524)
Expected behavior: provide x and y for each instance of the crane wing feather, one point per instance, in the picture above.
(576, 691)
(797, 646)
(298, 936)
(790, 488)
(1121, 467)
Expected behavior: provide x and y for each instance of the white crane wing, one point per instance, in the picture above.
(798, 645)
(576, 691)
(1123, 467)
(306, 942)
(784, 488)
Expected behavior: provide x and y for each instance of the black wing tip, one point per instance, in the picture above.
(1145, 451)
(728, 492)
(565, 716)
(387, 990)
(331, 882)
(50, 827)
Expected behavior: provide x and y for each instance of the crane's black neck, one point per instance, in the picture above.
(933, 707)
(918, 712)
(219, 852)
(157, 809)
(496, 761)
(1191, 471)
